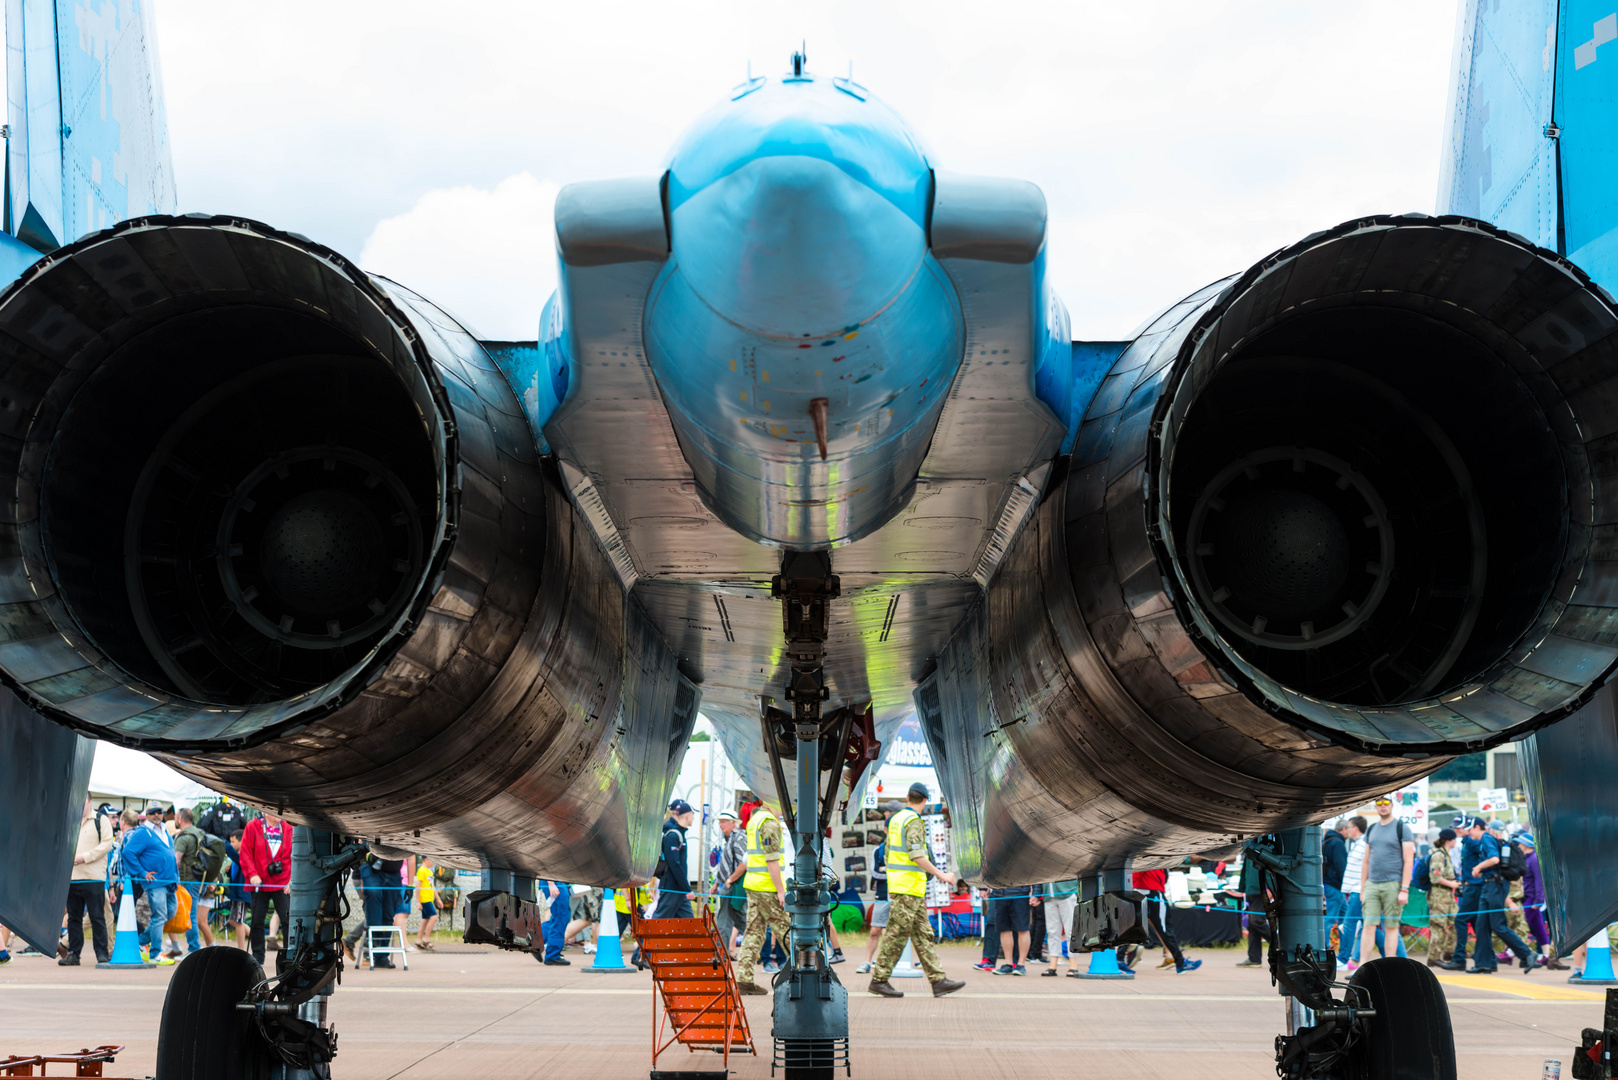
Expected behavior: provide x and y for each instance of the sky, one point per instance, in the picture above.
(1176, 142)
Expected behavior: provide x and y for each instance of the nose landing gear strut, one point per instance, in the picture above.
(811, 1005)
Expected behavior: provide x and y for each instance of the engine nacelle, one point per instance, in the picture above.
(1326, 524)
(285, 523)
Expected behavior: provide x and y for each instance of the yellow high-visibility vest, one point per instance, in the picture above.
(620, 898)
(905, 878)
(758, 875)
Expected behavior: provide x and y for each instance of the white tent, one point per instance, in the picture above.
(138, 779)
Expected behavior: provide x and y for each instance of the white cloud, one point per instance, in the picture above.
(488, 257)
(1176, 141)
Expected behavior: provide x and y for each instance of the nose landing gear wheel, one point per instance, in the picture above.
(1410, 1037)
(202, 1036)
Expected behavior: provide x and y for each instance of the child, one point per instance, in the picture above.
(429, 910)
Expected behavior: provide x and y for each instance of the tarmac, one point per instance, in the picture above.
(468, 1012)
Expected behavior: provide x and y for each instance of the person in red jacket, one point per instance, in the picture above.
(1154, 883)
(267, 865)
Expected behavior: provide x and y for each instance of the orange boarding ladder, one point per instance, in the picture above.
(691, 970)
(85, 1062)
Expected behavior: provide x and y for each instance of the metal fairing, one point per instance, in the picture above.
(1567, 766)
(907, 585)
(44, 774)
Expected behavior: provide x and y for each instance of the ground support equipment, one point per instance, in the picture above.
(85, 1062)
(696, 986)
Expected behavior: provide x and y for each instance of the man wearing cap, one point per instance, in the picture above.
(1441, 899)
(1482, 890)
(1384, 878)
(766, 893)
(731, 918)
(674, 893)
(1505, 914)
(908, 868)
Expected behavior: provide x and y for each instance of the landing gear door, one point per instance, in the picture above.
(44, 775)
(1568, 769)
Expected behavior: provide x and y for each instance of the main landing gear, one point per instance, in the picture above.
(224, 1019)
(1389, 1022)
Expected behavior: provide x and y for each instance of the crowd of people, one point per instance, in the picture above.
(226, 868)
(1482, 882)
(229, 868)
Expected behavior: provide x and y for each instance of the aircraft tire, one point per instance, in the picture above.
(201, 1035)
(1410, 1037)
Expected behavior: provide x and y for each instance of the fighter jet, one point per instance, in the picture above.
(803, 438)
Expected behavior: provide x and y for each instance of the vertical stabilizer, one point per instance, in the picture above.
(87, 139)
(1499, 160)
(1587, 114)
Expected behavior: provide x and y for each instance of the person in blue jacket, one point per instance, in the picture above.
(148, 859)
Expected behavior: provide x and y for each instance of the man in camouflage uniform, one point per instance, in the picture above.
(908, 868)
(766, 894)
(1441, 902)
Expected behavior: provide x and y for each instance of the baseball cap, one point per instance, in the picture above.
(726, 815)
(1527, 839)
(919, 790)
(1446, 834)
(893, 806)
(1496, 824)
(680, 806)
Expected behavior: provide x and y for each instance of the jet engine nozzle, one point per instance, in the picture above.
(238, 468)
(1374, 469)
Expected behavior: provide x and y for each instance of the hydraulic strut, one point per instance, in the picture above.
(811, 1006)
(289, 1009)
(1322, 1032)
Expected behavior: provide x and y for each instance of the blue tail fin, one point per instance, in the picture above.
(1533, 142)
(87, 140)
(1499, 164)
(1587, 114)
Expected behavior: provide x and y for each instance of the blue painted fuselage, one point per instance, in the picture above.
(800, 271)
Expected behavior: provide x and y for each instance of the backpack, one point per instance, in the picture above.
(212, 857)
(1424, 875)
(1513, 863)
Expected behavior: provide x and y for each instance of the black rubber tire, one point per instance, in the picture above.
(202, 1036)
(1410, 1037)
